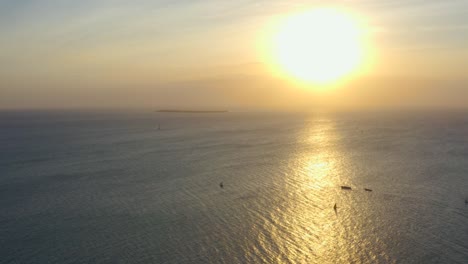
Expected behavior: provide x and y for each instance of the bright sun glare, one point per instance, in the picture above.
(318, 46)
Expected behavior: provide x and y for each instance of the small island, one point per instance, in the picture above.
(191, 111)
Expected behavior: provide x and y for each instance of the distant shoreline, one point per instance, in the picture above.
(192, 111)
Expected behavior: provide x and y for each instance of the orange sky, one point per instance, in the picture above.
(206, 54)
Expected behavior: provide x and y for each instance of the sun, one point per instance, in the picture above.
(318, 46)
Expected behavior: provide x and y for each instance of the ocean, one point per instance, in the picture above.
(144, 187)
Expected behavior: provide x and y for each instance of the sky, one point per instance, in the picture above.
(208, 54)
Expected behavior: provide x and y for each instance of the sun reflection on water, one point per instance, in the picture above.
(322, 172)
(305, 227)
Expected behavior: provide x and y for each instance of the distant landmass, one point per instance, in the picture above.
(191, 111)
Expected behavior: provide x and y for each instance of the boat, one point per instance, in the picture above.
(368, 190)
(345, 187)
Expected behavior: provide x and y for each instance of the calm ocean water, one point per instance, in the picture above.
(110, 187)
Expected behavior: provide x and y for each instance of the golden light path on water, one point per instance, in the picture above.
(306, 229)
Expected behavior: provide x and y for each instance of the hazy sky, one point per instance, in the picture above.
(206, 54)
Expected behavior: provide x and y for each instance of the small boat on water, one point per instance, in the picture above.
(368, 190)
(345, 187)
